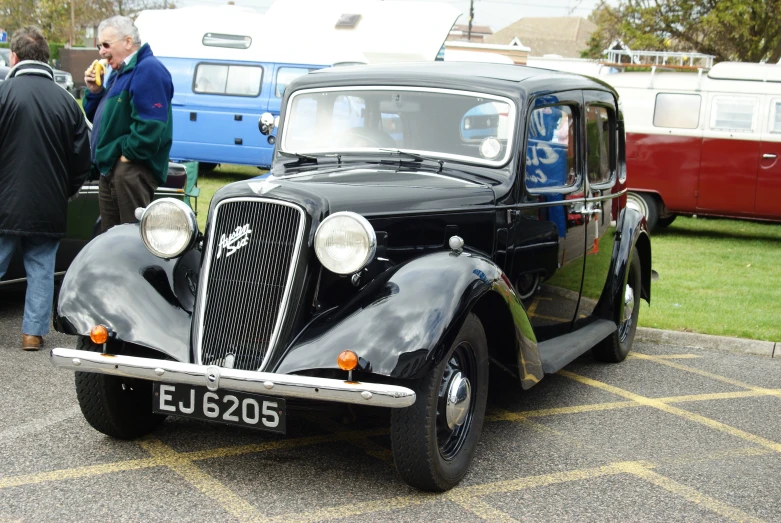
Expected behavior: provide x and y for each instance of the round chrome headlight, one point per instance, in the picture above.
(168, 227)
(345, 242)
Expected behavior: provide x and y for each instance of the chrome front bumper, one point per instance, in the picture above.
(213, 378)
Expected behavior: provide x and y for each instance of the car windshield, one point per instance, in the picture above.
(434, 123)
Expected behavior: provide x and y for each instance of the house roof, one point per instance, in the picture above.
(476, 29)
(565, 36)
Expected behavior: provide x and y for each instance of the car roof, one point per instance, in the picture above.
(453, 74)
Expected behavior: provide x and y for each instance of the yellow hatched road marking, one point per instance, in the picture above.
(675, 356)
(723, 379)
(481, 509)
(357, 509)
(206, 484)
(79, 472)
(661, 405)
(694, 496)
(357, 439)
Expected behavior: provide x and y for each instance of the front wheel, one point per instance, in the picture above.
(435, 439)
(118, 407)
(615, 347)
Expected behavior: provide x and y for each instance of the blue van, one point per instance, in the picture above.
(231, 64)
(217, 104)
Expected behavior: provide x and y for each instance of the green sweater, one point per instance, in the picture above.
(135, 120)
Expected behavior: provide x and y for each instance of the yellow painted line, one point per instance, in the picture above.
(79, 472)
(714, 396)
(206, 484)
(481, 509)
(686, 492)
(657, 404)
(503, 415)
(358, 509)
(723, 379)
(742, 452)
(674, 356)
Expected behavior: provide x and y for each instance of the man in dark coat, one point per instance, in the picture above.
(44, 159)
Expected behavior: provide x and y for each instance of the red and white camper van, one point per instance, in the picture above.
(703, 143)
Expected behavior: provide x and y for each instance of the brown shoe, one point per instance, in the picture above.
(31, 342)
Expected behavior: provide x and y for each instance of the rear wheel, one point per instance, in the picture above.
(205, 167)
(615, 347)
(665, 222)
(646, 204)
(118, 407)
(435, 439)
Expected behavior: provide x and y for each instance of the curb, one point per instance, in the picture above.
(767, 349)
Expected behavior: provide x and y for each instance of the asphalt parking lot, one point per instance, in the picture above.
(672, 433)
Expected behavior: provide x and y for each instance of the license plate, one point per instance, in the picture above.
(225, 406)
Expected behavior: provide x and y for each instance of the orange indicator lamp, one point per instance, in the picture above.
(347, 360)
(98, 334)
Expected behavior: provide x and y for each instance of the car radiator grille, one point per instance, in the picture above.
(250, 267)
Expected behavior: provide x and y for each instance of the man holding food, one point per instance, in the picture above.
(132, 121)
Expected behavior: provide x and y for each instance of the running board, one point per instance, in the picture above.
(558, 352)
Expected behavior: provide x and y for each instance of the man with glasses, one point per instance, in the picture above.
(44, 159)
(132, 122)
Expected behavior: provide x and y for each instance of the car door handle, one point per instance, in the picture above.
(768, 156)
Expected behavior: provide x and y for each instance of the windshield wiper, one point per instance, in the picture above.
(302, 158)
(417, 157)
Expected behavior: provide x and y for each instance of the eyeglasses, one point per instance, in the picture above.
(106, 45)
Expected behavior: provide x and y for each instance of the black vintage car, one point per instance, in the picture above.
(422, 224)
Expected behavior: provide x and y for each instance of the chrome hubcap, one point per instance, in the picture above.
(629, 303)
(459, 395)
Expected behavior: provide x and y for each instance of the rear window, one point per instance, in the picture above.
(679, 111)
(775, 116)
(733, 113)
(228, 79)
(285, 75)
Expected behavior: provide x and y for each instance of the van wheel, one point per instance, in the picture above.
(615, 347)
(435, 439)
(646, 204)
(206, 167)
(117, 407)
(665, 222)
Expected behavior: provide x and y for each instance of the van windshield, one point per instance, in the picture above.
(438, 123)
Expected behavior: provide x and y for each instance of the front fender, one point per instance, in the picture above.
(117, 282)
(405, 319)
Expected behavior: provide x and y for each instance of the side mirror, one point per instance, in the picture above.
(266, 124)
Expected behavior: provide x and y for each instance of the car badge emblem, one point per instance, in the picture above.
(262, 187)
(234, 241)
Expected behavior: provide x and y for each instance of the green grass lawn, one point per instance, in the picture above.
(717, 277)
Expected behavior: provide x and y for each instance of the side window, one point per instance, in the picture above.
(600, 146)
(775, 116)
(731, 113)
(235, 80)
(679, 111)
(285, 75)
(550, 151)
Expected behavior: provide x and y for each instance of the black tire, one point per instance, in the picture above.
(206, 167)
(429, 455)
(615, 347)
(665, 222)
(527, 285)
(118, 407)
(647, 204)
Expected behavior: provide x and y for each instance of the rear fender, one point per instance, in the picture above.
(404, 321)
(117, 282)
(633, 232)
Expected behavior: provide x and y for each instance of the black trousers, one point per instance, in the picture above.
(126, 187)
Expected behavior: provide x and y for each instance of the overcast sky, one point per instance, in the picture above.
(496, 13)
